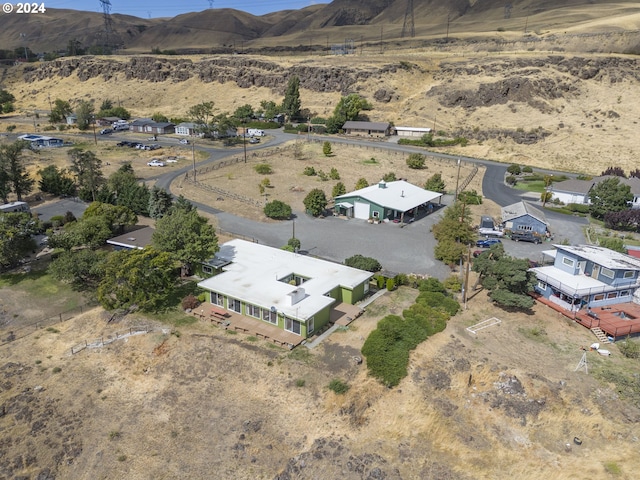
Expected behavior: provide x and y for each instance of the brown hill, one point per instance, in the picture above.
(359, 19)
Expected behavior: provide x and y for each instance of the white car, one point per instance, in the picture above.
(171, 160)
(156, 163)
(184, 141)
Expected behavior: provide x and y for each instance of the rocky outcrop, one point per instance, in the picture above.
(243, 71)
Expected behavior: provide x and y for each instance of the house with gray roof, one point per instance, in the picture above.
(577, 191)
(367, 129)
(524, 217)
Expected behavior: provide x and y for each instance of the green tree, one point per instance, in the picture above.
(315, 202)
(159, 117)
(361, 183)
(15, 238)
(128, 191)
(470, 197)
(88, 170)
(60, 111)
(160, 202)
(183, 204)
(291, 104)
(326, 148)
(270, 109)
(56, 181)
(333, 174)
(82, 269)
(294, 243)
(142, 278)
(15, 176)
(204, 118)
(91, 232)
(277, 210)
(435, 183)
(84, 114)
(106, 105)
(348, 108)
(609, 196)
(363, 263)
(6, 101)
(187, 236)
(507, 279)
(449, 251)
(119, 112)
(615, 244)
(118, 217)
(389, 177)
(338, 189)
(416, 161)
(514, 169)
(244, 113)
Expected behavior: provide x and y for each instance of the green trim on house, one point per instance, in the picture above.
(336, 294)
(321, 319)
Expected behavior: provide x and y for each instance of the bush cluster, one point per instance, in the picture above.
(387, 348)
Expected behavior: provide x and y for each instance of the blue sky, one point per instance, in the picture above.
(171, 8)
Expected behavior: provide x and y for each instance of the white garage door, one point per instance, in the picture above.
(361, 210)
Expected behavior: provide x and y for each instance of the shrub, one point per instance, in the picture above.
(578, 207)
(300, 382)
(322, 176)
(511, 180)
(294, 243)
(202, 297)
(439, 301)
(277, 210)
(326, 148)
(363, 263)
(527, 169)
(263, 168)
(629, 348)
(265, 182)
(338, 386)
(338, 189)
(381, 281)
(453, 284)
(190, 302)
(334, 175)
(470, 197)
(11, 128)
(391, 284)
(514, 169)
(309, 171)
(57, 221)
(416, 161)
(56, 370)
(389, 177)
(315, 202)
(361, 183)
(401, 279)
(431, 285)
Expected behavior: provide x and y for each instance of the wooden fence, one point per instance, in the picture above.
(106, 340)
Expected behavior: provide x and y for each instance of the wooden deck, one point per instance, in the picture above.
(344, 313)
(249, 326)
(616, 321)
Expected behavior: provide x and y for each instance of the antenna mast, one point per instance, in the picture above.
(409, 21)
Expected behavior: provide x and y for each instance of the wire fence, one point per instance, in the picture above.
(107, 339)
(23, 331)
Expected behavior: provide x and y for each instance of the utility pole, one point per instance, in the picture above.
(448, 20)
(457, 182)
(465, 293)
(193, 154)
(381, 32)
(244, 141)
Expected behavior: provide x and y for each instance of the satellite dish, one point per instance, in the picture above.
(273, 309)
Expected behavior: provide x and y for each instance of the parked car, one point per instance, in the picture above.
(156, 163)
(106, 131)
(254, 140)
(487, 243)
(490, 232)
(184, 141)
(525, 237)
(477, 253)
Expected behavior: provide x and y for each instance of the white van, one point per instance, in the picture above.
(14, 207)
(255, 132)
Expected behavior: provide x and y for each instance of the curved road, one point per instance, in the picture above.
(408, 249)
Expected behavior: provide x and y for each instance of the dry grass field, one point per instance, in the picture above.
(196, 401)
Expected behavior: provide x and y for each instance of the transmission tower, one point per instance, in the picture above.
(210, 3)
(507, 10)
(108, 22)
(409, 21)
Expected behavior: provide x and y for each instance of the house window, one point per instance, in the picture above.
(366, 286)
(607, 272)
(568, 261)
(597, 298)
(310, 325)
(234, 305)
(292, 325)
(629, 274)
(542, 285)
(207, 269)
(253, 311)
(526, 228)
(217, 299)
(269, 316)
(624, 293)
(612, 295)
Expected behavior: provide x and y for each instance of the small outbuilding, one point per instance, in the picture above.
(523, 217)
(412, 132)
(398, 200)
(136, 239)
(42, 141)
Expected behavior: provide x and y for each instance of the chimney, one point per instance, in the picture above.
(402, 194)
(382, 184)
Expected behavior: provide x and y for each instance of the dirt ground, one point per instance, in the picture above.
(505, 403)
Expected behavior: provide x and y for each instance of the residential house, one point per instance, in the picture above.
(588, 276)
(186, 128)
(42, 141)
(395, 200)
(523, 217)
(577, 191)
(296, 293)
(367, 129)
(147, 125)
(136, 239)
(108, 121)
